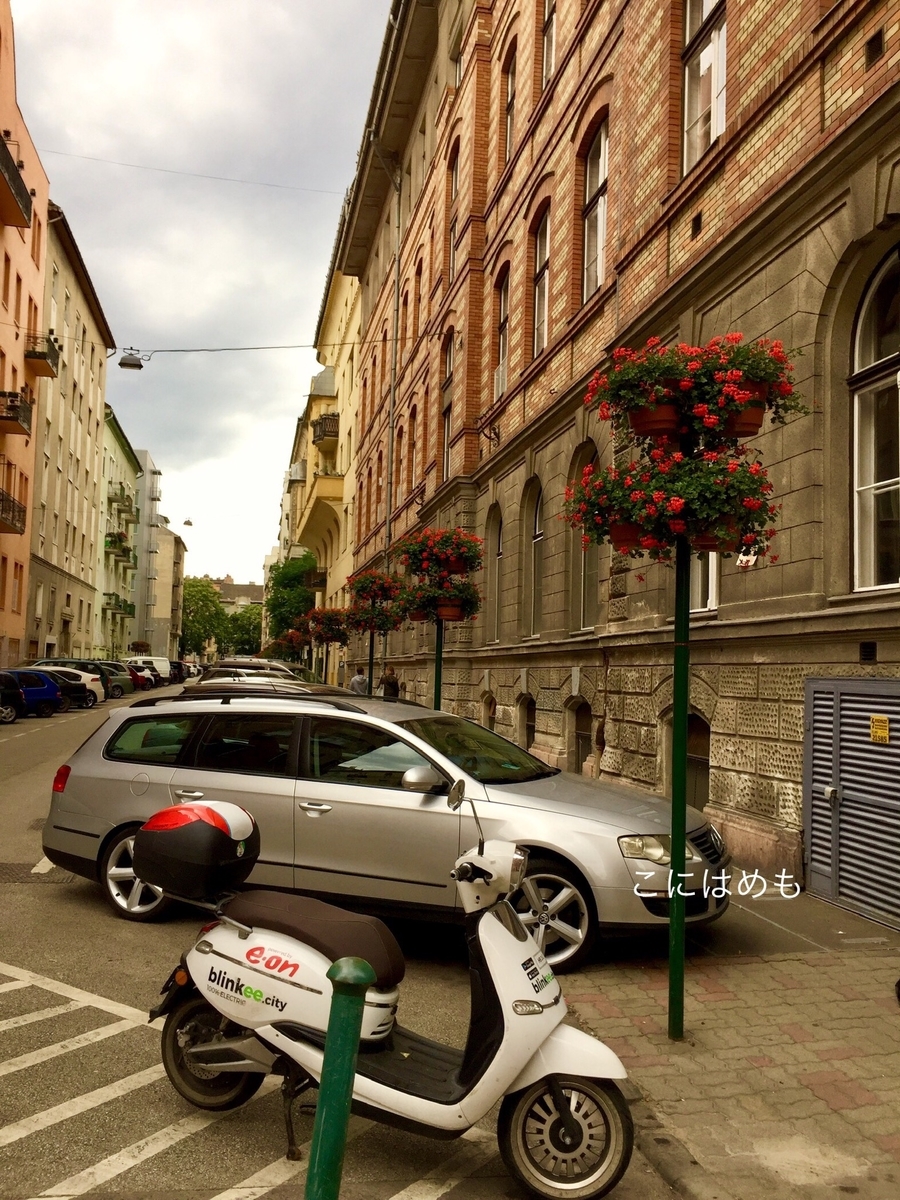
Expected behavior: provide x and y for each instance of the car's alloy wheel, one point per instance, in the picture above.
(8, 715)
(116, 692)
(555, 906)
(129, 896)
(90, 699)
(45, 708)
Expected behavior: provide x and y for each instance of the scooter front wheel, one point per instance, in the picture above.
(194, 1022)
(549, 1163)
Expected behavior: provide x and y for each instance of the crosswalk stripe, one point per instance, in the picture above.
(138, 1152)
(14, 985)
(72, 1043)
(137, 1015)
(41, 1014)
(78, 1105)
(481, 1147)
(283, 1170)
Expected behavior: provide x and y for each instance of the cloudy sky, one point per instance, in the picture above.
(270, 91)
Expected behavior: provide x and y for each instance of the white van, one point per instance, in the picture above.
(148, 660)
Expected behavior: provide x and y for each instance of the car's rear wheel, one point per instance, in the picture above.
(8, 715)
(555, 905)
(128, 896)
(65, 704)
(116, 691)
(45, 708)
(90, 699)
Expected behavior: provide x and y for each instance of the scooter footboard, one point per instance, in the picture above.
(568, 1051)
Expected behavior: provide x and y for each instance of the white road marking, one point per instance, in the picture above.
(283, 1170)
(14, 985)
(481, 1147)
(58, 1048)
(42, 867)
(138, 1152)
(41, 1014)
(78, 1105)
(136, 1015)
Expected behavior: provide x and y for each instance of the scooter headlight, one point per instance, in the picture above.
(518, 869)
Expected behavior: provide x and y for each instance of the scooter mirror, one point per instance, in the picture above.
(423, 779)
(456, 795)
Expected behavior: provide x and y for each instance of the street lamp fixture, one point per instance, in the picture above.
(131, 360)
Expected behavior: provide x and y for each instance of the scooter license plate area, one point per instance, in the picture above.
(268, 978)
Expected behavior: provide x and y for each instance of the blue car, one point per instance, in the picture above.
(42, 695)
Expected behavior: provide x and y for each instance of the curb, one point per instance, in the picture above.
(672, 1161)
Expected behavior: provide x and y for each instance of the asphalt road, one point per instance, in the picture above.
(84, 1107)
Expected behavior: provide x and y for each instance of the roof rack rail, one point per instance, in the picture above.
(230, 697)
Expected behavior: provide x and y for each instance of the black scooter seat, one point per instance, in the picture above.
(332, 931)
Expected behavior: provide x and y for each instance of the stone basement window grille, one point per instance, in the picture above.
(874, 48)
(868, 652)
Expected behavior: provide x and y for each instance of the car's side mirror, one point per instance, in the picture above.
(423, 779)
(456, 795)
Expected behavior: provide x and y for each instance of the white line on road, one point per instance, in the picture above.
(138, 1152)
(73, 993)
(282, 1171)
(482, 1147)
(73, 1043)
(14, 985)
(79, 1104)
(42, 867)
(41, 1014)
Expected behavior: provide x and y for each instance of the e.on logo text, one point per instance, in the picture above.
(271, 961)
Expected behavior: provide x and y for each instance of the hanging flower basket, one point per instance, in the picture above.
(373, 587)
(374, 618)
(655, 421)
(450, 610)
(418, 615)
(327, 625)
(433, 551)
(625, 535)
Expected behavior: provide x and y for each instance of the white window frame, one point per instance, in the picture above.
(502, 337)
(548, 43)
(510, 110)
(541, 284)
(709, 603)
(709, 38)
(594, 217)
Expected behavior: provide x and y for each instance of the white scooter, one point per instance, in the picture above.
(251, 998)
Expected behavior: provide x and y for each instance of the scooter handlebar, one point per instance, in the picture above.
(467, 871)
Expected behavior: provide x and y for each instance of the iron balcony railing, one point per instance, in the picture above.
(42, 354)
(15, 199)
(12, 514)
(325, 428)
(115, 602)
(15, 413)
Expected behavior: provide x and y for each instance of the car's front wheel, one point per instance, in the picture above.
(555, 905)
(45, 708)
(90, 699)
(8, 715)
(128, 896)
(65, 704)
(116, 691)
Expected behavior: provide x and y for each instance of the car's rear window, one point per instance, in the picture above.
(155, 739)
(479, 752)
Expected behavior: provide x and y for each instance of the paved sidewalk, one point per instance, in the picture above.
(788, 1081)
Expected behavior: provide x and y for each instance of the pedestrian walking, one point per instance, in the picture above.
(359, 683)
(389, 684)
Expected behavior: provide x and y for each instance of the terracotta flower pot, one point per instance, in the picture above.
(746, 423)
(417, 614)
(656, 420)
(625, 535)
(709, 542)
(450, 611)
(456, 566)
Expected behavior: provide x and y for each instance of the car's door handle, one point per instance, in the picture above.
(314, 809)
(187, 794)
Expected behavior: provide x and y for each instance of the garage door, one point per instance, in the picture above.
(852, 794)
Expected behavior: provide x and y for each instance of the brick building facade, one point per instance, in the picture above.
(570, 175)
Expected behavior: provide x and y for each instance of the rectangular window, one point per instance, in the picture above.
(451, 265)
(548, 65)
(704, 77)
(704, 582)
(18, 587)
(541, 282)
(595, 176)
(502, 337)
(4, 570)
(509, 131)
(7, 273)
(17, 307)
(878, 487)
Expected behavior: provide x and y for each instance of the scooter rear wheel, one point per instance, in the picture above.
(194, 1022)
(530, 1133)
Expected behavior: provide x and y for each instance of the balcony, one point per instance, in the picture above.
(12, 514)
(120, 496)
(115, 603)
(15, 200)
(325, 430)
(297, 472)
(117, 544)
(42, 355)
(15, 414)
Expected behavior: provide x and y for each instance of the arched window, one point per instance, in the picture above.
(489, 711)
(877, 421)
(363, 404)
(384, 355)
(399, 473)
(585, 560)
(379, 490)
(532, 607)
(417, 301)
(509, 112)
(541, 282)
(548, 42)
(494, 569)
(404, 318)
(594, 218)
(502, 297)
(453, 173)
(447, 405)
(411, 448)
(369, 500)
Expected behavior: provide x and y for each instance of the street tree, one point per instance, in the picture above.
(288, 596)
(203, 616)
(243, 632)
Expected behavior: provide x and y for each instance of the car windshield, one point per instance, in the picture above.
(482, 754)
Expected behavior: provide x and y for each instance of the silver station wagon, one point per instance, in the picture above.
(350, 795)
